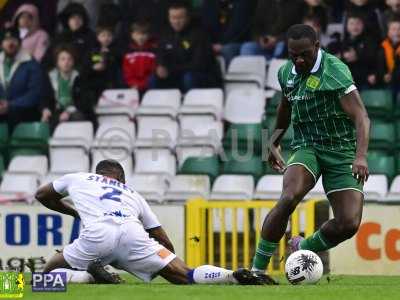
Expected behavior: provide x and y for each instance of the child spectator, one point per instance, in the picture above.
(34, 39)
(61, 102)
(102, 67)
(370, 14)
(359, 51)
(390, 56)
(140, 60)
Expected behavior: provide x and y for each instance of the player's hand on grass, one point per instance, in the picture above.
(275, 158)
(360, 169)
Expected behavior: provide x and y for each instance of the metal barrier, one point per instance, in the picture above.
(226, 233)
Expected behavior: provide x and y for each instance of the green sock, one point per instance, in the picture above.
(265, 250)
(316, 243)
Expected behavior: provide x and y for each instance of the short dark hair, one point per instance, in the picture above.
(180, 4)
(65, 48)
(140, 26)
(110, 167)
(100, 28)
(393, 19)
(301, 31)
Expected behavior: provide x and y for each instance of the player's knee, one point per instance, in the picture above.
(348, 228)
(289, 201)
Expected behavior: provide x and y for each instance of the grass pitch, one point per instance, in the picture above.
(332, 287)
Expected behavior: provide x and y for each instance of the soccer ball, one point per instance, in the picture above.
(303, 267)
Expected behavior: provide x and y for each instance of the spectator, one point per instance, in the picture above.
(229, 24)
(61, 102)
(20, 79)
(185, 59)
(318, 11)
(34, 39)
(75, 22)
(390, 56)
(102, 68)
(392, 11)
(368, 11)
(359, 51)
(139, 61)
(271, 21)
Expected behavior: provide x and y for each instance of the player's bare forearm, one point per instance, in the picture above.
(282, 121)
(52, 200)
(159, 234)
(355, 109)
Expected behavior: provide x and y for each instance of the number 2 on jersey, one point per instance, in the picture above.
(112, 195)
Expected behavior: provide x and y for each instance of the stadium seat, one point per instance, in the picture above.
(379, 103)
(203, 102)
(379, 162)
(376, 188)
(121, 154)
(115, 132)
(37, 165)
(182, 153)
(272, 76)
(201, 166)
(244, 137)
(196, 132)
(233, 187)
(155, 161)
(383, 135)
(184, 187)
(30, 138)
(246, 71)
(50, 177)
(157, 132)
(151, 187)
(164, 102)
(394, 192)
(18, 187)
(269, 187)
(68, 160)
(117, 105)
(245, 106)
(222, 64)
(243, 164)
(73, 134)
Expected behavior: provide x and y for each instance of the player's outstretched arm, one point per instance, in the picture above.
(159, 234)
(282, 123)
(52, 200)
(355, 109)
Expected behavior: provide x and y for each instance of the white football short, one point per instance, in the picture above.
(126, 246)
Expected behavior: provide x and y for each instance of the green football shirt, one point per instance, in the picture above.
(317, 116)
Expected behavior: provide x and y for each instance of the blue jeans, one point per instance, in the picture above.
(254, 48)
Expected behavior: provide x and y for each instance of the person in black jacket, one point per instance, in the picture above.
(185, 59)
(229, 24)
(359, 51)
(75, 21)
(61, 100)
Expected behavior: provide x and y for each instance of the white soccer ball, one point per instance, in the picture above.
(303, 267)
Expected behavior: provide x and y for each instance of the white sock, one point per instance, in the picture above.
(74, 276)
(212, 275)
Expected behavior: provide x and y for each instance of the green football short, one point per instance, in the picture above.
(334, 166)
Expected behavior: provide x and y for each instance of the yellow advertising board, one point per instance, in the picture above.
(375, 249)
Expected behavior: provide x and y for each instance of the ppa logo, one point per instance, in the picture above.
(49, 282)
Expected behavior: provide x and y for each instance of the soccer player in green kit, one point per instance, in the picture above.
(331, 134)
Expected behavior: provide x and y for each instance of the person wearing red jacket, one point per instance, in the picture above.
(139, 61)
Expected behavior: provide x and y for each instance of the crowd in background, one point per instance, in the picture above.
(59, 56)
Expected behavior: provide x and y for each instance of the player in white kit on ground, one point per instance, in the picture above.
(120, 229)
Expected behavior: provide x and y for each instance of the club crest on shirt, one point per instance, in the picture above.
(312, 82)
